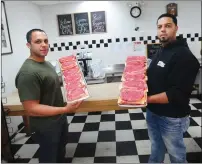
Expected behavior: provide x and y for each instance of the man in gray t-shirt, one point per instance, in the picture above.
(41, 96)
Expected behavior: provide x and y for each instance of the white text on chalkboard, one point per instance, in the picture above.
(97, 25)
(65, 27)
(82, 25)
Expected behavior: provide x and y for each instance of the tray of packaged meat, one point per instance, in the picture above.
(133, 87)
(75, 86)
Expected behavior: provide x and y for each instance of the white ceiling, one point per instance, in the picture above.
(41, 3)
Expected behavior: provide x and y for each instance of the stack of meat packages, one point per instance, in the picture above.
(73, 80)
(133, 90)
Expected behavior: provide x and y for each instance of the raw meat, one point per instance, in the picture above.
(142, 58)
(67, 58)
(73, 85)
(140, 75)
(71, 72)
(68, 65)
(72, 77)
(76, 93)
(135, 103)
(137, 84)
(135, 62)
(131, 95)
(134, 87)
(133, 68)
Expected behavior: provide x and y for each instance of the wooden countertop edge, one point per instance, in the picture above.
(86, 106)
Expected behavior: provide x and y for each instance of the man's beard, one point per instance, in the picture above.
(164, 40)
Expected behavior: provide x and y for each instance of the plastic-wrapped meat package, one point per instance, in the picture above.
(75, 86)
(133, 89)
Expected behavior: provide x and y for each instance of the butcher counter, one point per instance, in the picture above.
(103, 97)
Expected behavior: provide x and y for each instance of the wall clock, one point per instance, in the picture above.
(135, 11)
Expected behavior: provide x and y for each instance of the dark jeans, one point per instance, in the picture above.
(52, 142)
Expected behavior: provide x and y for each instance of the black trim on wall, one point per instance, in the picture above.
(65, 46)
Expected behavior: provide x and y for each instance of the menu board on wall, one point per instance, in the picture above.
(98, 22)
(152, 49)
(81, 23)
(65, 24)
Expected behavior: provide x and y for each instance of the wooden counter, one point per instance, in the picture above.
(102, 97)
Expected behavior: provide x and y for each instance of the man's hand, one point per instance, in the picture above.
(72, 107)
(160, 98)
(148, 99)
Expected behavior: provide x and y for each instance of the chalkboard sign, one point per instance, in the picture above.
(98, 22)
(152, 49)
(65, 24)
(81, 23)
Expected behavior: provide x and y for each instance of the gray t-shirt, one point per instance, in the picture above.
(39, 81)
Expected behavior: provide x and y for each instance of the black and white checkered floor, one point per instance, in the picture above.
(112, 137)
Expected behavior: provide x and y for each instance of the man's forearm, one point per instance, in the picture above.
(45, 110)
(160, 98)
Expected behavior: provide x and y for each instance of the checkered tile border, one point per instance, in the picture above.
(106, 42)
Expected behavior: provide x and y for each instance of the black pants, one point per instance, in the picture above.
(52, 142)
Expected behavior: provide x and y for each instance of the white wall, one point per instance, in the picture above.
(22, 16)
(121, 24)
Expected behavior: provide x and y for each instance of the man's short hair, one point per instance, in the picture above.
(170, 16)
(29, 34)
